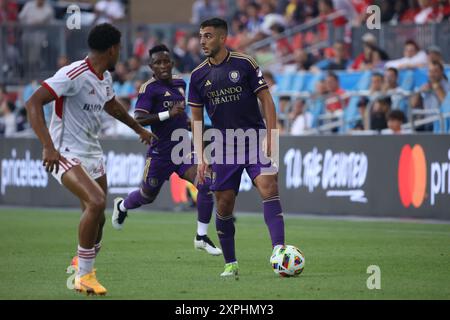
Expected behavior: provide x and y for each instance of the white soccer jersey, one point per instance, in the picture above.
(80, 97)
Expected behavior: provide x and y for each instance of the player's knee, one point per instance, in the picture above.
(225, 206)
(269, 188)
(148, 196)
(97, 202)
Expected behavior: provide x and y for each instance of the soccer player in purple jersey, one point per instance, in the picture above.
(229, 84)
(161, 104)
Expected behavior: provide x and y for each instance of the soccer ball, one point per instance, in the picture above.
(287, 261)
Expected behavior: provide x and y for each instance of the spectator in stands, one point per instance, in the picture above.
(281, 46)
(7, 116)
(443, 11)
(400, 7)
(136, 71)
(349, 9)
(362, 123)
(238, 36)
(193, 56)
(379, 112)
(413, 57)
(368, 60)
(338, 61)
(300, 118)
(109, 11)
(395, 120)
(326, 8)
(8, 11)
(204, 9)
(240, 13)
(36, 12)
(62, 61)
(337, 98)
(376, 86)
(426, 13)
(300, 11)
(254, 20)
(392, 89)
(434, 92)
(434, 54)
(410, 12)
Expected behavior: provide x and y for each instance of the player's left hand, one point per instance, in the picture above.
(146, 137)
(267, 147)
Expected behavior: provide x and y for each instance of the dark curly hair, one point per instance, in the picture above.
(216, 23)
(158, 48)
(103, 37)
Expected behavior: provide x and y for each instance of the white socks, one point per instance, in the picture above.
(86, 259)
(202, 228)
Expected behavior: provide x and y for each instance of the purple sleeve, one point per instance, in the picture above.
(255, 77)
(194, 98)
(144, 102)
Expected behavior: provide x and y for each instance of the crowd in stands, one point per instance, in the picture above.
(380, 105)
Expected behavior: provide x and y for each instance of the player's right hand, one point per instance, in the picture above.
(51, 158)
(177, 109)
(201, 170)
(147, 136)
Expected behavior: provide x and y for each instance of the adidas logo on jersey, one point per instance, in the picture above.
(208, 83)
(167, 94)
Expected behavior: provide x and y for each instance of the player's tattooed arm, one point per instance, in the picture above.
(50, 156)
(268, 108)
(117, 110)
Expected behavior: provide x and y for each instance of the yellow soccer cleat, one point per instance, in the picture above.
(88, 284)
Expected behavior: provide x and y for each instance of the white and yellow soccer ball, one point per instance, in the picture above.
(287, 261)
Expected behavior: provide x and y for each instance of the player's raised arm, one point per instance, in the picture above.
(116, 110)
(270, 115)
(35, 112)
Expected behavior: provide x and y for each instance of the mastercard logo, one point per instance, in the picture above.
(412, 176)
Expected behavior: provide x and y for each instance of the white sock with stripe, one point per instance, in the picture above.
(86, 259)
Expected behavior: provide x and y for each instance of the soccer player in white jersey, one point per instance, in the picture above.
(71, 149)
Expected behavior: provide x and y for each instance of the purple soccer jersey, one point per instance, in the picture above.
(156, 96)
(229, 93)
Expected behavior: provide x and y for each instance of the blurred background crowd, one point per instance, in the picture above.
(328, 70)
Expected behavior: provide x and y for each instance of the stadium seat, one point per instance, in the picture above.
(311, 80)
(420, 77)
(316, 108)
(407, 79)
(364, 81)
(348, 80)
(351, 114)
(284, 82)
(445, 109)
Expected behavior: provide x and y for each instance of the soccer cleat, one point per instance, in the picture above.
(205, 243)
(231, 269)
(88, 284)
(118, 217)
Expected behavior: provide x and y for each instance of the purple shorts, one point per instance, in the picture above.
(157, 171)
(228, 176)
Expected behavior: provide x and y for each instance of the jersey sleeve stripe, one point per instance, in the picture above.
(245, 57)
(74, 70)
(78, 73)
(139, 109)
(200, 66)
(264, 86)
(46, 86)
(59, 103)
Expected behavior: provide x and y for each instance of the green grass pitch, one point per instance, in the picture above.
(153, 258)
